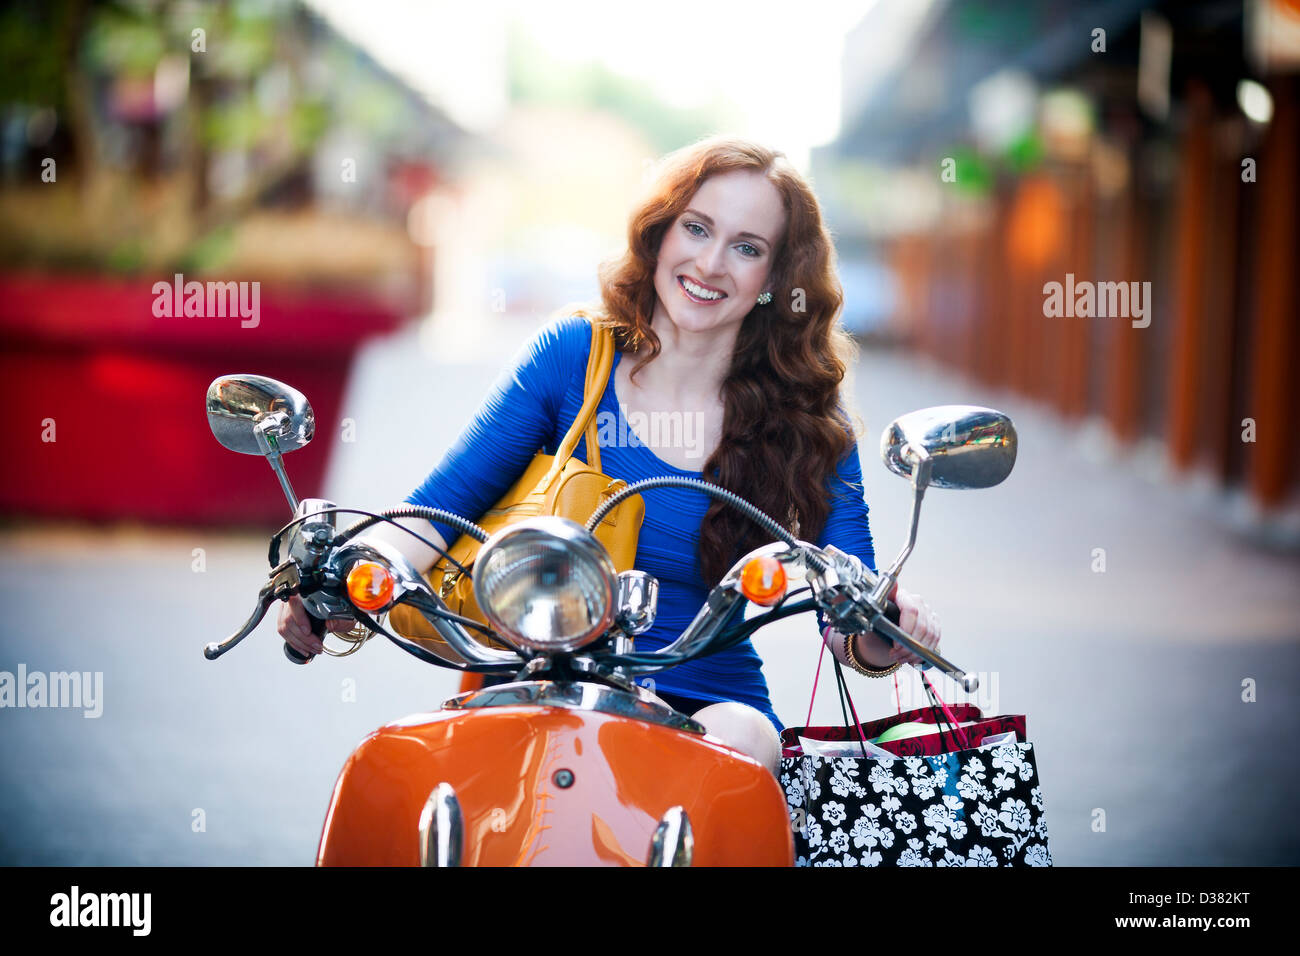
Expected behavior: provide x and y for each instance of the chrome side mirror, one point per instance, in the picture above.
(254, 415)
(245, 411)
(967, 446)
(948, 446)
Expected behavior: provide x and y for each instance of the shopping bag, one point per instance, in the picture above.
(978, 807)
(970, 804)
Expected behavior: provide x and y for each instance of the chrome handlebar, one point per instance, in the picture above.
(311, 556)
(408, 580)
(844, 588)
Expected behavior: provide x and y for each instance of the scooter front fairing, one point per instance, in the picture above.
(585, 777)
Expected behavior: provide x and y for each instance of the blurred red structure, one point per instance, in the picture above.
(132, 155)
(104, 401)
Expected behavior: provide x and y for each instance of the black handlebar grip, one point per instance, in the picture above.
(893, 613)
(317, 628)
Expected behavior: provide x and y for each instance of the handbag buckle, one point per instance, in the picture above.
(449, 582)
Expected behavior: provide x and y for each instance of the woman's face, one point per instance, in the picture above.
(716, 256)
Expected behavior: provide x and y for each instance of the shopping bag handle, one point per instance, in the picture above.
(937, 702)
(942, 713)
(844, 693)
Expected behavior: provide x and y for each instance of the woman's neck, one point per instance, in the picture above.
(690, 366)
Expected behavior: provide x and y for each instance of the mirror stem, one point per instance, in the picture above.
(264, 431)
(921, 463)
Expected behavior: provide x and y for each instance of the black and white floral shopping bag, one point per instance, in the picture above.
(980, 807)
(974, 803)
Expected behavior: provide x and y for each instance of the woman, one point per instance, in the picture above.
(723, 309)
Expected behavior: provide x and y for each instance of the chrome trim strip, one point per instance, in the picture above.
(673, 842)
(576, 695)
(442, 828)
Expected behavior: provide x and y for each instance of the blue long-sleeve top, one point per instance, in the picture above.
(530, 407)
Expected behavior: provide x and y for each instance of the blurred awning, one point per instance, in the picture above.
(924, 100)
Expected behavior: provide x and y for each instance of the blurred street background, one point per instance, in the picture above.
(415, 187)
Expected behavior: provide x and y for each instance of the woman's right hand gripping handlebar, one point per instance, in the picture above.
(295, 626)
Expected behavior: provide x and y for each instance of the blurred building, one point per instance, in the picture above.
(1022, 160)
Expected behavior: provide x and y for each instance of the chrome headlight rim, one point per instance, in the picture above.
(583, 546)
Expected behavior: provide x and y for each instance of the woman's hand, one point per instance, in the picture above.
(874, 651)
(917, 620)
(295, 627)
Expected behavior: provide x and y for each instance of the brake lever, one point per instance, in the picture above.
(892, 632)
(283, 583)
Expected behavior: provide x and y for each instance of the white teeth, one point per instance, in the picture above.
(696, 291)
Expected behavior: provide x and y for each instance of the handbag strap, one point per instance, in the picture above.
(599, 367)
(599, 363)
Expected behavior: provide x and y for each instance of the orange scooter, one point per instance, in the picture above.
(572, 762)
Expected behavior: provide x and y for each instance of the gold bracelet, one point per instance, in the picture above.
(861, 668)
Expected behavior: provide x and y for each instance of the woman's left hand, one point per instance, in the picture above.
(917, 620)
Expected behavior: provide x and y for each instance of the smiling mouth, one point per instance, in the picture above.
(697, 292)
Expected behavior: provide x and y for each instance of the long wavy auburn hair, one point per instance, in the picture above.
(783, 430)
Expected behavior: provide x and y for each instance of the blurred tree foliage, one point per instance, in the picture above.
(36, 43)
(254, 78)
(124, 40)
(974, 174)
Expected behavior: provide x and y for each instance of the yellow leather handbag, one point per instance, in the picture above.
(556, 484)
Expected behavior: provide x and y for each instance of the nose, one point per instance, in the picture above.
(710, 259)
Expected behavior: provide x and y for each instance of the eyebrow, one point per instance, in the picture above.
(709, 222)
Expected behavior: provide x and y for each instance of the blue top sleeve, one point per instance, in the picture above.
(846, 525)
(517, 419)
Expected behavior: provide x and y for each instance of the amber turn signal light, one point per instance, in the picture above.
(762, 580)
(370, 586)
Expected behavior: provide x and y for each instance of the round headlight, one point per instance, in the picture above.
(546, 583)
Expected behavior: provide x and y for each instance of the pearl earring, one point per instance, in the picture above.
(764, 298)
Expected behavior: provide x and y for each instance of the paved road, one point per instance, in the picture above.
(1131, 677)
